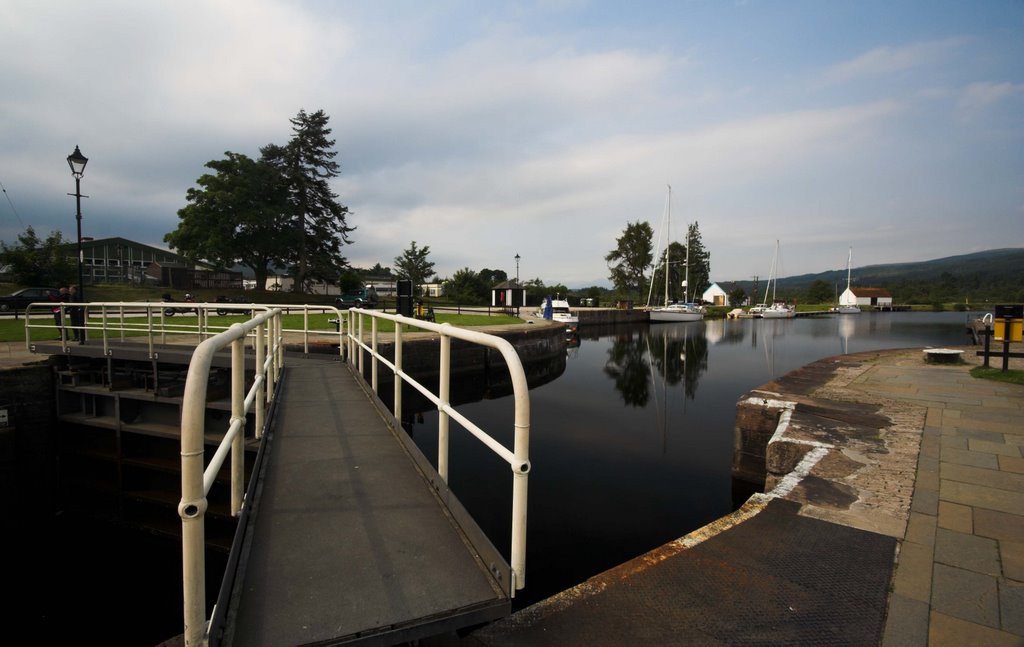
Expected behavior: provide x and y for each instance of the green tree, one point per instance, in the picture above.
(307, 164)
(676, 274)
(737, 296)
(413, 265)
(492, 277)
(820, 292)
(40, 262)
(700, 263)
(237, 215)
(630, 258)
(377, 270)
(466, 286)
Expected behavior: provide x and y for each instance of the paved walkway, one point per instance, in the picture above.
(960, 573)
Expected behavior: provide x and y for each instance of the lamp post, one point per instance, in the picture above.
(517, 270)
(77, 162)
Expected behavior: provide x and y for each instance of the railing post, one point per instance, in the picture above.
(261, 389)
(280, 347)
(274, 361)
(520, 479)
(106, 338)
(443, 388)
(373, 355)
(305, 329)
(398, 370)
(238, 413)
(359, 363)
(192, 510)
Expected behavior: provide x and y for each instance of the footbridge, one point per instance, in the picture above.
(346, 533)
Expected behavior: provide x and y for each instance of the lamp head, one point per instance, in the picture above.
(77, 162)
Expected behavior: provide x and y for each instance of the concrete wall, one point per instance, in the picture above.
(610, 316)
(28, 467)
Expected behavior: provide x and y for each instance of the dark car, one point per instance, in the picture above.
(361, 298)
(18, 300)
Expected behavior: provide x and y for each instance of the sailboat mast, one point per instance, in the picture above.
(771, 275)
(849, 261)
(775, 268)
(668, 242)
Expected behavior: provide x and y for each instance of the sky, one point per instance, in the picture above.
(484, 130)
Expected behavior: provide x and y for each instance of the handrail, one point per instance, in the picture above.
(517, 458)
(196, 480)
(106, 318)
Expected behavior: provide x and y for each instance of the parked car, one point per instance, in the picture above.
(360, 298)
(18, 300)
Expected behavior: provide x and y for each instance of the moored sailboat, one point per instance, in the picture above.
(777, 309)
(674, 311)
(850, 307)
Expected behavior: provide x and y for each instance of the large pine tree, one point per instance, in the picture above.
(318, 218)
(700, 264)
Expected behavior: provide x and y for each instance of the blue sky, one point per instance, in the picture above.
(483, 130)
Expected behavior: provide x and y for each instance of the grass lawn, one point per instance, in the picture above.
(999, 375)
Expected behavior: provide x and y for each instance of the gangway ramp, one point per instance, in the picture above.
(346, 537)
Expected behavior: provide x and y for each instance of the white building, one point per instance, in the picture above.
(866, 297)
(715, 295)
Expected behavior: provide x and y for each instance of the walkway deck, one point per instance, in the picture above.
(348, 540)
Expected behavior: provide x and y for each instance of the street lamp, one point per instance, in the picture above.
(77, 162)
(517, 270)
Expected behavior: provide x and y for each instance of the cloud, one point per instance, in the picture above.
(977, 98)
(888, 60)
(486, 130)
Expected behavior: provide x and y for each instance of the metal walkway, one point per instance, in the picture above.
(345, 537)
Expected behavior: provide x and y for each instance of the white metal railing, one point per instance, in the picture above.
(517, 457)
(115, 321)
(197, 478)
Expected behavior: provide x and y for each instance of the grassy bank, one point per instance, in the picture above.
(13, 330)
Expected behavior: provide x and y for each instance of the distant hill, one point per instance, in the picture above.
(996, 273)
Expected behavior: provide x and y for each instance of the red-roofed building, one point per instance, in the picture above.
(878, 297)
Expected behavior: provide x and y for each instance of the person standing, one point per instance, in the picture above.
(58, 314)
(77, 313)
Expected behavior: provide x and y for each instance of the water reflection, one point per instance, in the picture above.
(628, 369)
(677, 353)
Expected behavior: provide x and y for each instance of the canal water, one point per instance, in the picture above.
(630, 447)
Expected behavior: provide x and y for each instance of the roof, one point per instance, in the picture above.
(124, 242)
(871, 292)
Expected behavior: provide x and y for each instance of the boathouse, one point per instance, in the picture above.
(715, 295)
(875, 297)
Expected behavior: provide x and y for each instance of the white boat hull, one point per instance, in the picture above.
(669, 314)
(778, 312)
(848, 310)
